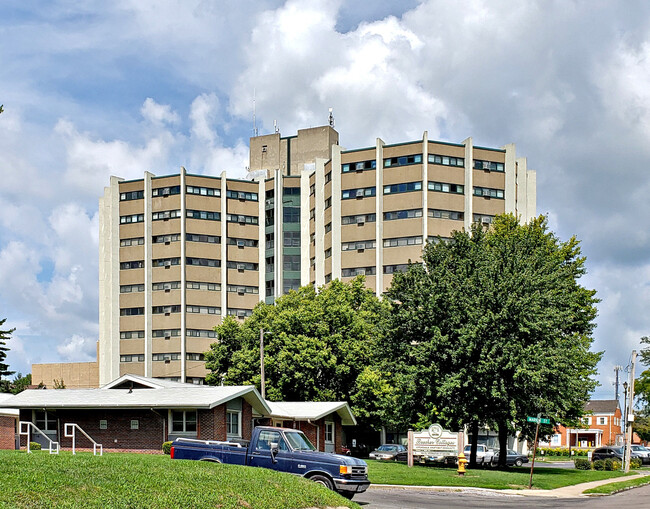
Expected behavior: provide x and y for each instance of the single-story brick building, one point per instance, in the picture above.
(8, 424)
(135, 413)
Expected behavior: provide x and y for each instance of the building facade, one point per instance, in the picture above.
(179, 252)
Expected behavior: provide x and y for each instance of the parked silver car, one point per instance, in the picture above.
(643, 452)
(389, 452)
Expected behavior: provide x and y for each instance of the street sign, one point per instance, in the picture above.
(538, 420)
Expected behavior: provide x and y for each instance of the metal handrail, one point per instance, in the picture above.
(69, 432)
(29, 424)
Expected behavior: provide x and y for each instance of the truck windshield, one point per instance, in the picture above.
(298, 441)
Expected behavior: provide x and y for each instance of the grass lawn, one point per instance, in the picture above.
(513, 478)
(608, 489)
(41, 480)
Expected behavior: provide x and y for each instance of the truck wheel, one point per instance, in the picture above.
(518, 462)
(321, 479)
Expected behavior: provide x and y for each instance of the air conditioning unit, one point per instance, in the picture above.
(486, 165)
(241, 267)
(168, 337)
(241, 196)
(167, 242)
(167, 361)
(361, 221)
(167, 290)
(241, 219)
(241, 290)
(240, 243)
(361, 272)
(359, 193)
(165, 191)
(241, 313)
(167, 313)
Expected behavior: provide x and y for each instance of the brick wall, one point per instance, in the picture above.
(7, 432)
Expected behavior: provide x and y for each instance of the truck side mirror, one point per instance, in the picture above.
(274, 451)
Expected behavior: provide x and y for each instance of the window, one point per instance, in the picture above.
(132, 334)
(487, 165)
(159, 310)
(201, 333)
(45, 421)
(166, 285)
(444, 187)
(183, 421)
(166, 191)
(206, 215)
(270, 264)
(241, 289)
(446, 214)
(291, 262)
(241, 219)
(203, 191)
(206, 239)
(135, 424)
(290, 284)
(312, 189)
(359, 166)
(405, 187)
(131, 311)
(165, 262)
(203, 310)
(200, 285)
(602, 420)
(357, 271)
(446, 160)
(239, 312)
(364, 192)
(359, 219)
(482, 218)
(132, 358)
(328, 278)
(358, 245)
(165, 333)
(203, 262)
(291, 191)
(328, 202)
(556, 440)
(132, 195)
(291, 239)
(291, 214)
(402, 241)
(241, 266)
(329, 432)
(133, 218)
(103, 424)
(328, 252)
(137, 264)
(165, 214)
(166, 239)
(270, 288)
(131, 288)
(233, 423)
(241, 195)
(269, 217)
(402, 214)
(328, 177)
(166, 357)
(391, 269)
(402, 160)
(488, 192)
(137, 241)
(328, 227)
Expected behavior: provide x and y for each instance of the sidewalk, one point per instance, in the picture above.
(564, 492)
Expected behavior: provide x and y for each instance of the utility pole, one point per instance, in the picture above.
(262, 363)
(630, 415)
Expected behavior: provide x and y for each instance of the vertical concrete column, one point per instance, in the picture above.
(109, 283)
(224, 246)
(319, 223)
(425, 187)
(336, 212)
(261, 235)
(531, 194)
(379, 224)
(304, 226)
(469, 184)
(511, 179)
(183, 239)
(148, 343)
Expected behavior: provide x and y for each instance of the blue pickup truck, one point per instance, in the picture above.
(284, 450)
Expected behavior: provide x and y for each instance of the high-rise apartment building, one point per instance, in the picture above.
(179, 252)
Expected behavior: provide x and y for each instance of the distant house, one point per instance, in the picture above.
(8, 424)
(601, 426)
(134, 413)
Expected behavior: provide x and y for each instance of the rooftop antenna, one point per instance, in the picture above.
(275, 127)
(331, 119)
(254, 119)
(617, 369)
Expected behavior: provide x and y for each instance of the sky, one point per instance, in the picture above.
(93, 89)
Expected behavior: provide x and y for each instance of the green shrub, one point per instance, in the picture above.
(612, 464)
(167, 447)
(582, 464)
(635, 462)
(599, 465)
(34, 446)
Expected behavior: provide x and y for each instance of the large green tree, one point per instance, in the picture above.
(4, 368)
(318, 346)
(494, 327)
(641, 423)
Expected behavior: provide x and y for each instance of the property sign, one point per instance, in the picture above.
(435, 442)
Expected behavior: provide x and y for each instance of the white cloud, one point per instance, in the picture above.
(78, 349)
(158, 114)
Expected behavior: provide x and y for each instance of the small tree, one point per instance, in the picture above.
(20, 383)
(4, 368)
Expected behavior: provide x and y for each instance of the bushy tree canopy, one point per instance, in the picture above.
(494, 327)
(4, 368)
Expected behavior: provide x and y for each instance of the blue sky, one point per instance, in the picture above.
(94, 89)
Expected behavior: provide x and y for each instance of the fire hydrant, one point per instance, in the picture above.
(461, 464)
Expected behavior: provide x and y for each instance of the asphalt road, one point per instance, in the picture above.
(379, 498)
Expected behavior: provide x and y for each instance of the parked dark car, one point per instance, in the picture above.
(611, 452)
(390, 452)
(513, 458)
